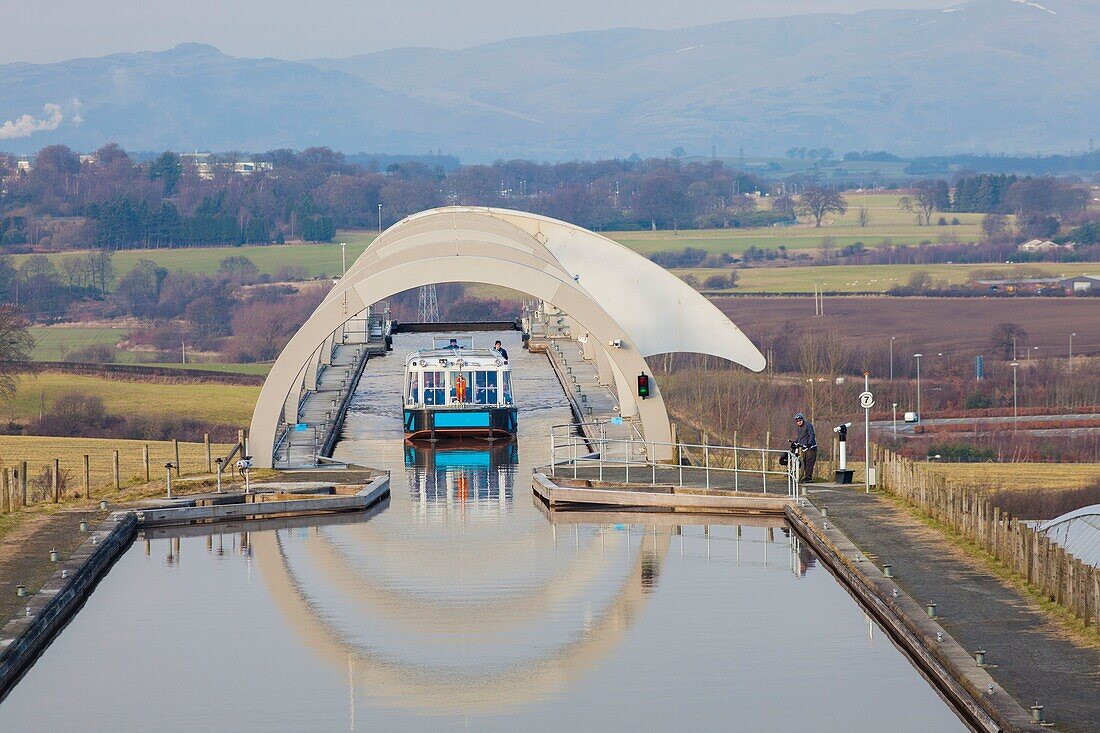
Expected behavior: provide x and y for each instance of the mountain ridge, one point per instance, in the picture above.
(983, 76)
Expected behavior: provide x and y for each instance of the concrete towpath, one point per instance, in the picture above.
(1035, 658)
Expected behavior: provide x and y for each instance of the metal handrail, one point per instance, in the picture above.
(604, 452)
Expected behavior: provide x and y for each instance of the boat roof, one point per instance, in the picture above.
(467, 355)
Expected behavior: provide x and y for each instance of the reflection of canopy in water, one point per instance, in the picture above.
(449, 691)
(611, 292)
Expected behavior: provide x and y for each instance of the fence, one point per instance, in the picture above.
(42, 469)
(586, 451)
(1045, 565)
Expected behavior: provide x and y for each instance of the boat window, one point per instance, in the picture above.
(462, 387)
(507, 388)
(486, 392)
(434, 388)
(414, 388)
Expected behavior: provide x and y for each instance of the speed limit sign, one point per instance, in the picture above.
(866, 400)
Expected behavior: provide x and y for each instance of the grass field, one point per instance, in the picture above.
(1019, 476)
(53, 343)
(865, 278)
(39, 453)
(226, 404)
(887, 221)
(318, 259)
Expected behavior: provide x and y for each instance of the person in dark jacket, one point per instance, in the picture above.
(497, 347)
(806, 441)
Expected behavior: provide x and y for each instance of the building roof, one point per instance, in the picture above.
(1078, 532)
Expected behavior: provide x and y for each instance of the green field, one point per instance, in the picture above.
(861, 278)
(318, 259)
(53, 343)
(226, 404)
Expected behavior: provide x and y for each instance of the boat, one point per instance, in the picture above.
(454, 390)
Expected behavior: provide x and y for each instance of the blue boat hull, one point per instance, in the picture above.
(488, 422)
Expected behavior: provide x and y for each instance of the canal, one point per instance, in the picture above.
(458, 604)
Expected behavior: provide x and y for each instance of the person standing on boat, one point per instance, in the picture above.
(453, 344)
(499, 348)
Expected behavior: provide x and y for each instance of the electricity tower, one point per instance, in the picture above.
(428, 310)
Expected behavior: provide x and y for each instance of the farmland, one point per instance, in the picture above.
(866, 278)
(224, 404)
(950, 325)
(39, 453)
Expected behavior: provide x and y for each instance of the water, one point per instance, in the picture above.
(458, 605)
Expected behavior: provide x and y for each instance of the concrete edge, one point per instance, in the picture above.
(950, 668)
(24, 638)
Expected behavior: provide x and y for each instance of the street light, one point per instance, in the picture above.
(1071, 351)
(895, 420)
(379, 218)
(1015, 412)
(892, 357)
(917, 357)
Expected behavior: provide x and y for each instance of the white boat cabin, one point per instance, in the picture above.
(453, 374)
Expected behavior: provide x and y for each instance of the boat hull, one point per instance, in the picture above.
(439, 424)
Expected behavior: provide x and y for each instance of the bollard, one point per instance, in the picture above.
(979, 657)
(21, 590)
(83, 526)
(896, 593)
(824, 511)
(1037, 713)
(888, 570)
(103, 505)
(168, 478)
(54, 556)
(931, 610)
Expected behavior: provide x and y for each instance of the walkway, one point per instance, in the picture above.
(1035, 661)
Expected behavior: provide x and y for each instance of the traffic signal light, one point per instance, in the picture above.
(643, 385)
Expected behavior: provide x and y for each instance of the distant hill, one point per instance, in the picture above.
(987, 75)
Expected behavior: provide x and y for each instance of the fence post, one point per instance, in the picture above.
(87, 477)
(5, 495)
(209, 456)
(23, 481)
(118, 478)
(176, 448)
(145, 461)
(55, 480)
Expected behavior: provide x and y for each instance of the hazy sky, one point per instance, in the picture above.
(51, 30)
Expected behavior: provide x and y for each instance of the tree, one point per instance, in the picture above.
(239, 269)
(864, 216)
(15, 349)
(927, 198)
(1005, 336)
(994, 225)
(920, 281)
(819, 202)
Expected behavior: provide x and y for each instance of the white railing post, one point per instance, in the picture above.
(553, 452)
(706, 462)
(680, 462)
(629, 453)
(652, 463)
(736, 470)
(764, 469)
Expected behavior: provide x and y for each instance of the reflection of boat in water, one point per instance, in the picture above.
(455, 390)
(469, 471)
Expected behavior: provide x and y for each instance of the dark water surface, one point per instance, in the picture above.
(459, 605)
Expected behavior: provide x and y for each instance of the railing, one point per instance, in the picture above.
(628, 458)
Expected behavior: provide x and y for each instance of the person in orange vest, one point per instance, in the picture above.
(460, 388)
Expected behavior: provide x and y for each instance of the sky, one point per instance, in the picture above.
(42, 31)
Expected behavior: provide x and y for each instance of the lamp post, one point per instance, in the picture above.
(1071, 351)
(1015, 411)
(344, 271)
(892, 357)
(895, 420)
(919, 416)
(379, 218)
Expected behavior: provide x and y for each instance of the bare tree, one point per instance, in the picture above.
(15, 349)
(994, 225)
(1005, 336)
(864, 216)
(927, 198)
(819, 202)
